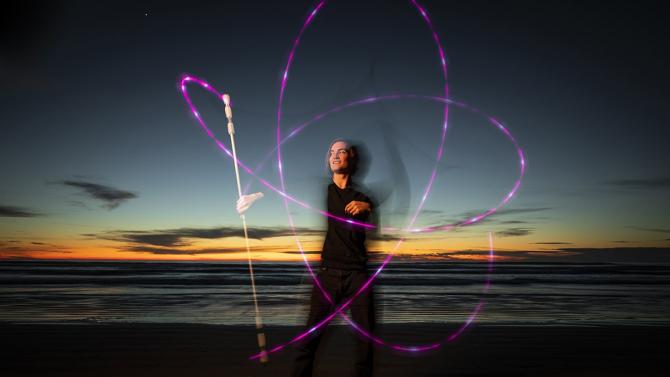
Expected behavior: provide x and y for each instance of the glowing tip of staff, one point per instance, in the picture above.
(226, 99)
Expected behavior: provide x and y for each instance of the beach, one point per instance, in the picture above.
(155, 349)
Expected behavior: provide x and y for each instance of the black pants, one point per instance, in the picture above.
(340, 285)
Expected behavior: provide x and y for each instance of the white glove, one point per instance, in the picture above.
(245, 201)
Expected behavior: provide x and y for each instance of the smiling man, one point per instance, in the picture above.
(343, 267)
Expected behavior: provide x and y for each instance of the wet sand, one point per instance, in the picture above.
(208, 350)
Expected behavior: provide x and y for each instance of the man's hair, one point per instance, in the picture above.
(353, 157)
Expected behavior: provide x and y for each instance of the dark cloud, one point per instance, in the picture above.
(506, 211)
(642, 183)
(647, 255)
(176, 237)
(10, 211)
(374, 236)
(212, 250)
(111, 196)
(23, 251)
(77, 203)
(172, 251)
(502, 212)
(479, 255)
(551, 243)
(655, 230)
(513, 211)
(514, 232)
(148, 238)
(619, 254)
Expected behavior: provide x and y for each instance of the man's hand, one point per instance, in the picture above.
(245, 201)
(355, 207)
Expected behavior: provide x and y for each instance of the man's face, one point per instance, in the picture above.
(338, 157)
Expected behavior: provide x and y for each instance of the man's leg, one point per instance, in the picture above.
(363, 313)
(305, 350)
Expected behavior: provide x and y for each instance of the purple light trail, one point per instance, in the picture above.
(185, 79)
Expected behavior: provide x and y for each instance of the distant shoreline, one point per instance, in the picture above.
(396, 260)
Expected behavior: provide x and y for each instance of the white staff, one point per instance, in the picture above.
(243, 203)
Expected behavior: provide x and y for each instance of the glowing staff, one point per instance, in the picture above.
(259, 323)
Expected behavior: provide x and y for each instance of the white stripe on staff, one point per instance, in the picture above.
(259, 323)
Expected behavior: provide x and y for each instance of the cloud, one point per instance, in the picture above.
(172, 251)
(143, 237)
(648, 255)
(513, 211)
(212, 250)
(461, 255)
(641, 183)
(23, 251)
(112, 197)
(374, 236)
(10, 211)
(620, 254)
(175, 241)
(514, 232)
(77, 203)
(551, 243)
(502, 212)
(177, 237)
(439, 216)
(655, 230)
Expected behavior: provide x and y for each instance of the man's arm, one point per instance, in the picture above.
(355, 207)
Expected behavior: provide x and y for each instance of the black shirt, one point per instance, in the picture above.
(344, 246)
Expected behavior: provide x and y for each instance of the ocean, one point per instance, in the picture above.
(521, 293)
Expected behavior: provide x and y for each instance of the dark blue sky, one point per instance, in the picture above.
(98, 146)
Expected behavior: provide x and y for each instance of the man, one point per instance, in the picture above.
(343, 267)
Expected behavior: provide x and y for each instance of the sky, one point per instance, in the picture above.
(101, 158)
